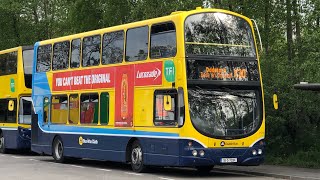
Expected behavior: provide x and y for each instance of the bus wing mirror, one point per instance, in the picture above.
(11, 105)
(275, 101)
(167, 104)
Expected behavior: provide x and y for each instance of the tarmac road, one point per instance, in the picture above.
(33, 167)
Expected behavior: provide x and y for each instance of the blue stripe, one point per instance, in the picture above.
(102, 131)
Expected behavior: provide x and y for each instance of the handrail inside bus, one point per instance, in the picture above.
(256, 25)
(217, 44)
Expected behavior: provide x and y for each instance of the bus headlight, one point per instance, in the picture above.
(259, 151)
(254, 152)
(194, 152)
(201, 153)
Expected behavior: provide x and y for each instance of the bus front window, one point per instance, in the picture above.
(225, 113)
(25, 110)
(218, 34)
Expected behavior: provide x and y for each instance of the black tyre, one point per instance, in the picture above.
(204, 169)
(3, 149)
(137, 158)
(57, 150)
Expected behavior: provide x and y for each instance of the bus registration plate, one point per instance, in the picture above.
(229, 160)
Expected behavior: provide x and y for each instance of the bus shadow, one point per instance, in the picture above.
(175, 172)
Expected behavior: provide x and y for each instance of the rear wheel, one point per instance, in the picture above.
(3, 149)
(57, 150)
(137, 158)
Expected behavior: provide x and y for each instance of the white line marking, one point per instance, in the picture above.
(16, 157)
(77, 166)
(108, 170)
(165, 178)
(33, 160)
(133, 174)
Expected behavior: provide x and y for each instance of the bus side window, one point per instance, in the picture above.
(61, 55)
(91, 51)
(46, 106)
(163, 41)
(89, 108)
(74, 109)
(165, 109)
(112, 51)
(75, 53)
(44, 58)
(59, 109)
(104, 108)
(7, 116)
(137, 44)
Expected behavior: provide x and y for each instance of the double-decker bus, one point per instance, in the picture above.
(181, 90)
(15, 98)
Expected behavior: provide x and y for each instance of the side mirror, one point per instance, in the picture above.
(11, 105)
(275, 101)
(167, 104)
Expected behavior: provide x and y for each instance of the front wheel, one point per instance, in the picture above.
(3, 149)
(57, 150)
(137, 158)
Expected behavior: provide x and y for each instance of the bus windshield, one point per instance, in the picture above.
(218, 34)
(225, 113)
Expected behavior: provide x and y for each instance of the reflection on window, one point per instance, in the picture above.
(91, 51)
(60, 55)
(89, 109)
(218, 34)
(165, 110)
(8, 63)
(44, 58)
(225, 113)
(112, 47)
(163, 41)
(28, 61)
(7, 116)
(25, 110)
(75, 53)
(104, 108)
(74, 109)
(137, 44)
(59, 109)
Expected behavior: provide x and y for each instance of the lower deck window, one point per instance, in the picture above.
(165, 112)
(89, 108)
(59, 109)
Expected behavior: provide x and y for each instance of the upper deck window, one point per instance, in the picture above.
(137, 44)
(112, 47)
(91, 51)
(8, 63)
(163, 40)
(28, 61)
(75, 53)
(44, 58)
(218, 34)
(61, 55)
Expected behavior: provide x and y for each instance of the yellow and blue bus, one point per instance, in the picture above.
(15, 98)
(181, 90)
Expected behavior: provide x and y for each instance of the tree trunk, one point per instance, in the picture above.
(266, 26)
(298, 31)
(289, 30)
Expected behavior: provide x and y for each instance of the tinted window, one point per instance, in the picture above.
(112, 47)
(89, 109)
(137, 44)
(59, 109)
(46, 107)
(25, 110)
(104, 108)
(165, 111)
(7, 116)
(75, 53)
(60, 55)
(44, 58)
(91, 51)
(8, 63)
(163, 41)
